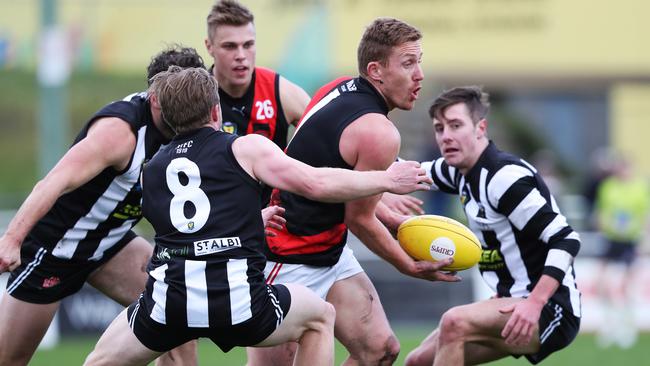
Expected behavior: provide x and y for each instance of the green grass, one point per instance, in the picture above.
(583, 351)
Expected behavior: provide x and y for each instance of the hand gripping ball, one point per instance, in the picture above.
(433, 238)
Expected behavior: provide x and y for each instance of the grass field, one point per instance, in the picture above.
(582, 352)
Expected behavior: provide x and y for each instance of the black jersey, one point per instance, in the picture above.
(315, 232)
(258, 111)
(518, 222)
(86, 222)
(205, 210)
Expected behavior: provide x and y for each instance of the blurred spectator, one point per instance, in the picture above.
(621, 209)
(602, 163)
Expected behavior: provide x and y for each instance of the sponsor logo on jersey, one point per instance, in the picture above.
(491, 260)
(239, 110)
(51, 282)
(351, 85)
(165, 254)
(127, 212)
(215, 245)
(229, 127)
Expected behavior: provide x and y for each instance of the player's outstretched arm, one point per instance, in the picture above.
(109, 142)
(266, 162)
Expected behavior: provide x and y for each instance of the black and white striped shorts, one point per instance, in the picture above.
(557, 329)
(162, 337)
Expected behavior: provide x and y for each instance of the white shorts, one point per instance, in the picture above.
(317, 279)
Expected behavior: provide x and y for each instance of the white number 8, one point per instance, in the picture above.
(187, 193)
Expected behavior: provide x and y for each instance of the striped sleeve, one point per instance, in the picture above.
(445, 177)
(515, 193)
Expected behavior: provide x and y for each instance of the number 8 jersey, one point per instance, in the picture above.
(205, 210)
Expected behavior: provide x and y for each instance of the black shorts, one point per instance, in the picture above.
(557, 329)
(620, 251)
(43, 278)
(162, 338)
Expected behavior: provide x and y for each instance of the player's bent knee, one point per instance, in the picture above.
(380, 350)
(391, 350)
(324, 318)
(414, 358)
(453, 326)
(329, 314)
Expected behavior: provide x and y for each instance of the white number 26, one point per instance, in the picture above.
(264, 110)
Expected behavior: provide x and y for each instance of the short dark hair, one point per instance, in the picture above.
(173, 55)
(379, 39)
(476, 100)
(228, 12)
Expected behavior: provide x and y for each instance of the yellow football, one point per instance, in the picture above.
(433, 238)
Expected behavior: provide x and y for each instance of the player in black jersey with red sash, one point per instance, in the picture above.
(206, 277)
(528, 246)
(257, 99)
(259, 109)
(346, 126)
(253, 99)
(76, 224)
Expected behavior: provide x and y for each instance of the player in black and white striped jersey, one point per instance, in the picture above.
(75, 226)
(201, 194)
(528, 246)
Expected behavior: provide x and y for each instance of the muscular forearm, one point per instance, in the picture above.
(37, 204)
(346, 185)
(377, 238)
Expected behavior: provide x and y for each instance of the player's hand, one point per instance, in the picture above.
(522, 324)
(9, 254)
(407, 177)
(432, 271)
(402, 204)
(272, 218)
(390, 218)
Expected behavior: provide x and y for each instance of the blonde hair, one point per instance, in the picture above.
(186, 97)
(379, 39)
